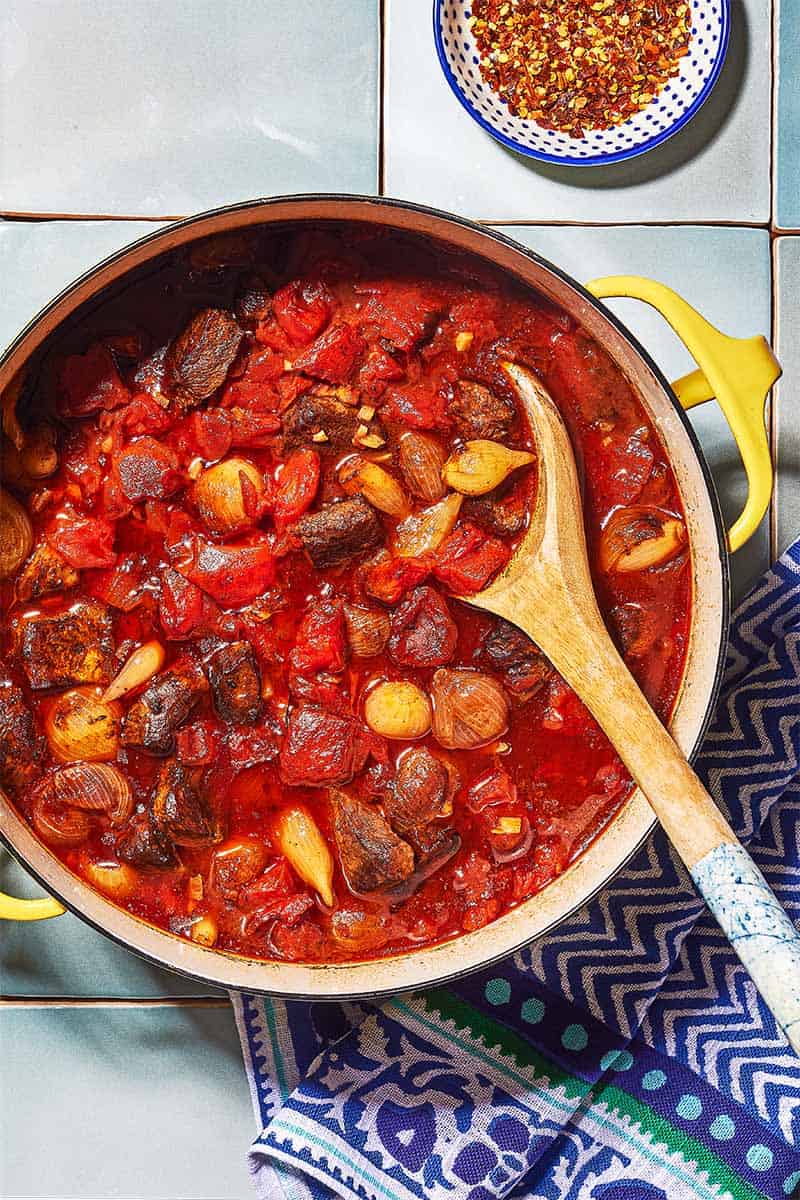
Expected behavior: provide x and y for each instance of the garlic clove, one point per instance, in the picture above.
(638, 537)
(481, 466)
(398, 709)
(358, 475)
(424, 532)
(300, 841)
(116, 880)
(143, 664)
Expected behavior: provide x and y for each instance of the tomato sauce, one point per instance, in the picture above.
(299, 357)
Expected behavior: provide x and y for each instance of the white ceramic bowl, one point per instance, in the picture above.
(668, 112)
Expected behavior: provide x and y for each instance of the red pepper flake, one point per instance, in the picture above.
(573, 65)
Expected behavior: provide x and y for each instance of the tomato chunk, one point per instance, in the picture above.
(320, 644)
(389, 579)
(232, 575)
(302, 308)
(84, 541)
(333, 356)
(467, 559)
(182, 607)
(297, 487)
(88, 382)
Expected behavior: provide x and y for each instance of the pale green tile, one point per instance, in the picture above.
(131, 1103)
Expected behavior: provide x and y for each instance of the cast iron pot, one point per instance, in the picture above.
(739, 373)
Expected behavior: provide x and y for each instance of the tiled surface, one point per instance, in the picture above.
(124, 1102)
(38, 259)
(787, 134)
(155, 109)
(716, 169)
(787, 400)
(169, 108)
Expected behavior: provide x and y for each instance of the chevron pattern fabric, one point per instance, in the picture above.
(626, 1056)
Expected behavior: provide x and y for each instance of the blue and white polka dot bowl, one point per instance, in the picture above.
(668, 112)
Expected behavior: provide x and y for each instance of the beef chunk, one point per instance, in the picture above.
(254, 301)
(322, 748)
(165, 704)
(371, 854)
(75, 646)
(524, 668)
(143, 846)
(316, 413)
(479, 413)
(423, 632)
(235, 683)
(21, 747)
(421, 791)
(180, 814)
(45, 572)
(339, 532)
(505, 518)
(198, 361)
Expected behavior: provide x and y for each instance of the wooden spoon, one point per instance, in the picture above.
(546, 590)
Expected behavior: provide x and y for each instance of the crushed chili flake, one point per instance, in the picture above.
(573, 65)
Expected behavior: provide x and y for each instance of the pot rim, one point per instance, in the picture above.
(392, 985)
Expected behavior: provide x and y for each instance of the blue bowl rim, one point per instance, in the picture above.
(596, 159)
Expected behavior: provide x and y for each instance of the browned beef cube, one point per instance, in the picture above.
(164, 705)
(254, 301)
(480, 413)
(339, 532)
(421, 791)
(235, 683)
(506, 519)
(370, 852)
(199, 359)
(180, 813)
(143, 846)
(315, 413)
(322, 748)
(524, 668)
(74, 646)
(45, 572)
(21, 747)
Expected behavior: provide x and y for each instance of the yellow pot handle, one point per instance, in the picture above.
(12, 909)
(739, 372)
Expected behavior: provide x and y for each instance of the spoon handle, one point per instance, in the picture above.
(734, 889)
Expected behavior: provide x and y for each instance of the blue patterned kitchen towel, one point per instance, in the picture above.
(626, 1056)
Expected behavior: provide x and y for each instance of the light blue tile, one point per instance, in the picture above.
(787, 412)
(39, 258)
(717, 168)
(725, 273)
(65, 957)
(787, 133)
(167, 109)
(134, 1103)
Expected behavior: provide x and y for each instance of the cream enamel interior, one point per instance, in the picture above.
(616, 843)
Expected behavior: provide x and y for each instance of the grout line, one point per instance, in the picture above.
(696, 222)
(56, 216)
(382, 97)
(774, 429)
(113, 1002)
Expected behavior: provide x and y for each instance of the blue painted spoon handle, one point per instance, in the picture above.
(759, 930)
